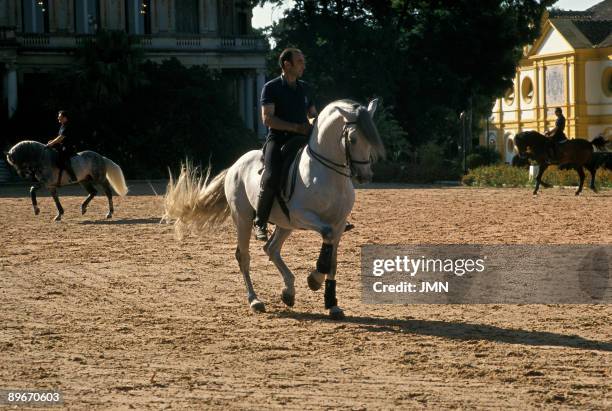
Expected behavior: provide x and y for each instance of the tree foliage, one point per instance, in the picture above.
(430, 60)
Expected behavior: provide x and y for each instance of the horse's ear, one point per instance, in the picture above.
(348, 116)
(372, 107)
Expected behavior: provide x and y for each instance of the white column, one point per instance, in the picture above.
(134, 16)
(85, 17)
(249, 101)
(11, 90)
(261, 129)
(241, 98)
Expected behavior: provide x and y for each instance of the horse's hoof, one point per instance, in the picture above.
(257, 306)
(313, 283)
(36, 211)
(577, 193)
(109, 215)
(288, 299)
(83, 210)
(58, 218)
(336, 313)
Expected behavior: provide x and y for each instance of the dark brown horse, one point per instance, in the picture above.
(575, 153)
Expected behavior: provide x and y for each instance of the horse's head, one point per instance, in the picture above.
(24, 157)
(524, 144)
(521, 145)
(360, 141)
(530, 144)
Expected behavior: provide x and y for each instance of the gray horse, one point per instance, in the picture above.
(34, 160)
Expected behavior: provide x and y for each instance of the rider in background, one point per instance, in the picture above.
(287, 109)
(557, 135)
(64, 146)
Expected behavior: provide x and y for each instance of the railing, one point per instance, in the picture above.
(35, 40)
(63, 41)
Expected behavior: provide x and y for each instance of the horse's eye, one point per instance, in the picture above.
(353, 140)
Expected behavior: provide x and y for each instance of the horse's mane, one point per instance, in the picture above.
(366, 124)
(26, 151)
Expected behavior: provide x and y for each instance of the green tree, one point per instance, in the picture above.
(430, 60)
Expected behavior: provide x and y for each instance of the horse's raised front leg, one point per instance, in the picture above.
(580, 171)
(543, 167)
(60, 209)
(327, 261)
(33, 196)
(272, 249)
(87, 185)
(109, 195)
(312, 222)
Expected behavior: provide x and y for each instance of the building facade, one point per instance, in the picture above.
(569, 66)
(37, 36)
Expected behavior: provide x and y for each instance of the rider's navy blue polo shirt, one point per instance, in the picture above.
(290, 103)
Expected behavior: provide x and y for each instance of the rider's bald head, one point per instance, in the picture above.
(287, 55)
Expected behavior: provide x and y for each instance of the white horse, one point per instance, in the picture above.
(343, 143)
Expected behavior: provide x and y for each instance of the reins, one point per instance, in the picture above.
(349, 160)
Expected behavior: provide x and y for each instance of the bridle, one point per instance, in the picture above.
(349, 160)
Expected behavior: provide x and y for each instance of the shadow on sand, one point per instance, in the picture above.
(459, 331)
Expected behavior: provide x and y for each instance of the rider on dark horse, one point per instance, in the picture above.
(64, 146)
(556, 135)
(286, 110)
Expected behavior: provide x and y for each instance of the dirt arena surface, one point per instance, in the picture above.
(118, 314)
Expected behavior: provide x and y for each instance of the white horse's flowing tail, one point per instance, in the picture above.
(195, 202)
(115, 177)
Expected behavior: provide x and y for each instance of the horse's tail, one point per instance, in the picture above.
(115, 177)
(599, 142)
(195, 201)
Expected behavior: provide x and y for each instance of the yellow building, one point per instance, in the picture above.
(569, 66)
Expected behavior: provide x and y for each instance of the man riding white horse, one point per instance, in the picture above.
(341, 148)
(288, 110)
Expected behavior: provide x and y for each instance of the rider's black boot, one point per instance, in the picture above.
(264, 206)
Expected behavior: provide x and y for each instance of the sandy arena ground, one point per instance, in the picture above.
(118, 314)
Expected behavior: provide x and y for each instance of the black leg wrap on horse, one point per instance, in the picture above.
(330, 294)
(325, 257)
